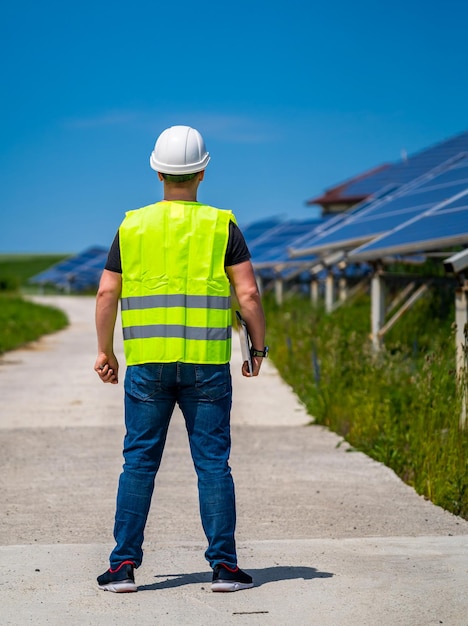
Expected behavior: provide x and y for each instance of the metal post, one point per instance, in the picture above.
(461, 321)
(259, 284)
(329, 292)
(279, 291)
(343, 289)
(378, 310)
(314, 291)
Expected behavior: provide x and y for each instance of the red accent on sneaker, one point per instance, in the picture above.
(236, 569)
(112, 571)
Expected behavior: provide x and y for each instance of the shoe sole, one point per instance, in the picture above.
(226, 586)
(120, 587)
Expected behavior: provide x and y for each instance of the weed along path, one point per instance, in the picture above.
(331, 537)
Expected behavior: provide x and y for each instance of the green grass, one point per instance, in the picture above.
(22, 321)
(16, 269)
(400, 407)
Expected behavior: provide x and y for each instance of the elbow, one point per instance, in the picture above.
(106, 295)
(249, 296)
(109, 287)
(103, 293)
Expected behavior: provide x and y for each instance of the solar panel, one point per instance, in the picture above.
(414, 166)
(77, 272)
(379, 217)
(258, 229)
(329, 221)
(443, 226)
(272, 248)
(280, 237)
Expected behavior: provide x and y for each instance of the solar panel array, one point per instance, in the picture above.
(417, 205)
(410, 201)
(76, 273)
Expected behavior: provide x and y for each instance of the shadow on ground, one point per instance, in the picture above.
(260, 576)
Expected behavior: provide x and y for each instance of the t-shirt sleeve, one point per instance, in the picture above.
(114, 262)
(237, 250)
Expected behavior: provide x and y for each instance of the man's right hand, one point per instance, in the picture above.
(107, 368)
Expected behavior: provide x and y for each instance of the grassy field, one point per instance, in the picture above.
(16, 269)
(22, 321)
(400, 407)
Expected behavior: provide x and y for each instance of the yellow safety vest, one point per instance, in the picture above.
(176, 303)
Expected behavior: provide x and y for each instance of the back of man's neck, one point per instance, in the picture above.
(181, 197)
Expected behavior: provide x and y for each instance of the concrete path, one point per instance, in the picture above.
(331, 537)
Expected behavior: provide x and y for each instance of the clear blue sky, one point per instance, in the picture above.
(291, 97)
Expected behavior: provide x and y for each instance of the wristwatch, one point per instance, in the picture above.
(263, 353)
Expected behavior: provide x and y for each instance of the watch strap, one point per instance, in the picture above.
(262, 353)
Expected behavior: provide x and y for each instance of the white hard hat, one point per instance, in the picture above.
(179, 150)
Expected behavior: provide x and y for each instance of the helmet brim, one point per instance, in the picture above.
(189, 168)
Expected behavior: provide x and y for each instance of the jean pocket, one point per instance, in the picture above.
(213, 381)
(143, 381)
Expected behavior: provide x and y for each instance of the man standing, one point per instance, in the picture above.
(172, 264)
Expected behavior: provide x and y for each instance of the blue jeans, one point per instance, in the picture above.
(204, 394)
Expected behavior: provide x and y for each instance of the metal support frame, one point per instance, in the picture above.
(461, 321)
(378, 325)
(400, 297)
(407, 305)
(457, 264)
(350, 292)
(408, 297)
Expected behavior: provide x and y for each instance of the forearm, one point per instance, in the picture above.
(106, 315)
(252, 312)
(242, 279)
(107, 303)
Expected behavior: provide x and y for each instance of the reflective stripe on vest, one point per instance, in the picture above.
(168, 301)
(172, 331)
(175, 293)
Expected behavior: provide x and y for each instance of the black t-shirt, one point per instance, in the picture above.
(236, 252)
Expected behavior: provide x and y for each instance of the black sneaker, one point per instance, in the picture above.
(227, 579)
(119, 580)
